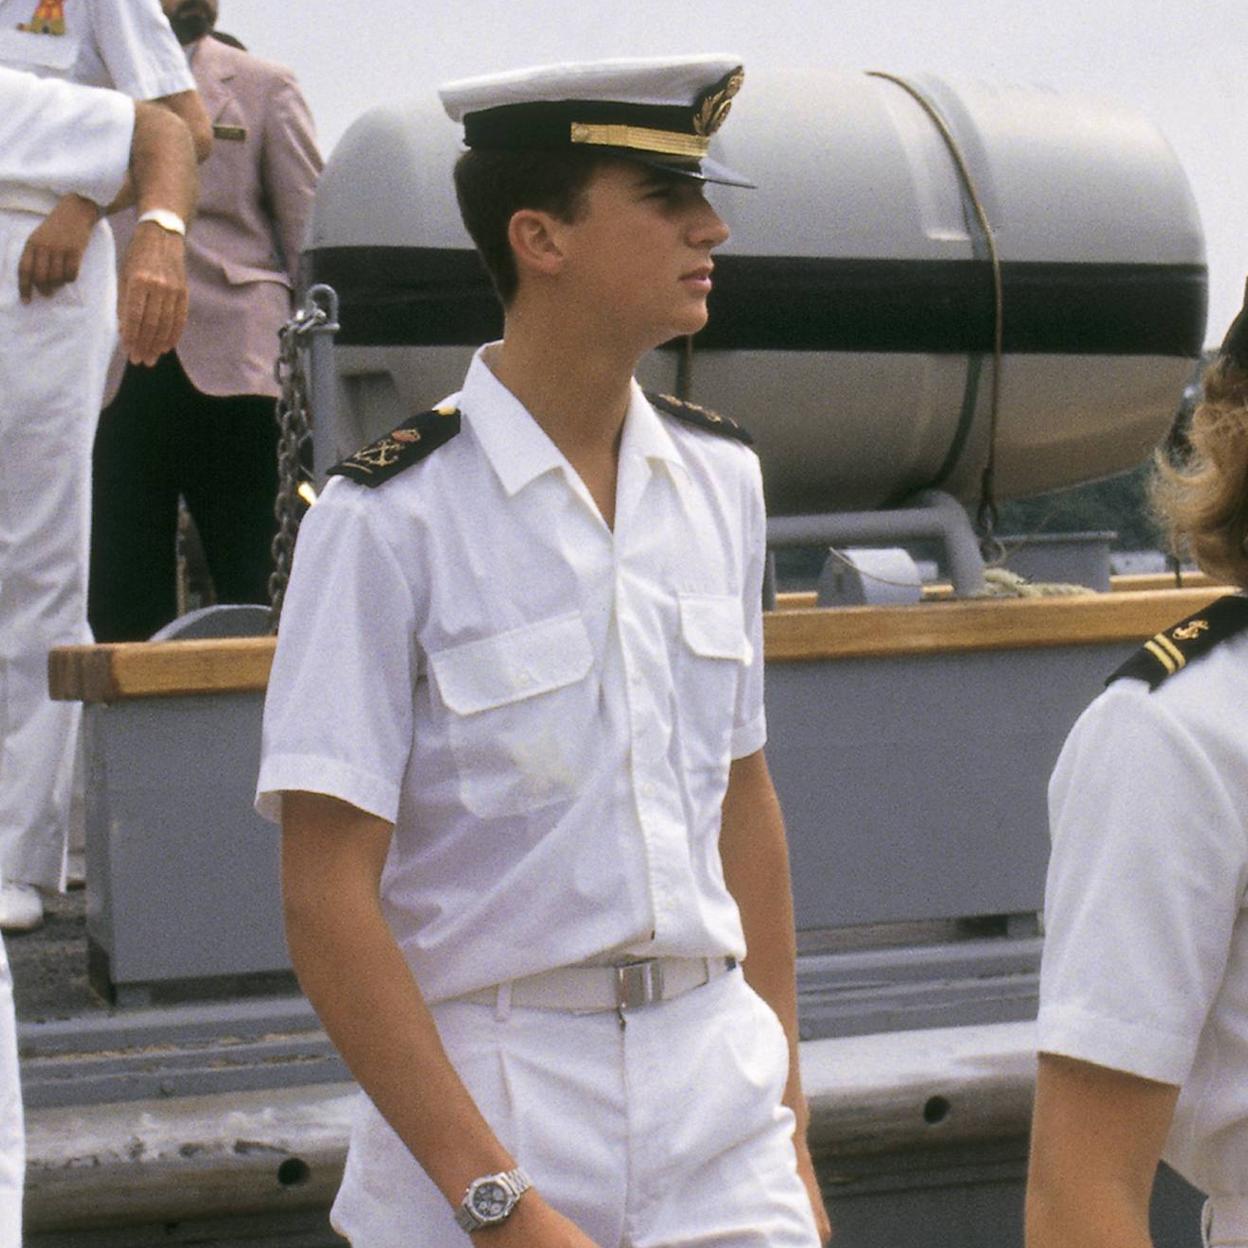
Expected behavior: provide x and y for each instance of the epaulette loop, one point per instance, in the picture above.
(1172, 649)
(415, 438)
(702, 417)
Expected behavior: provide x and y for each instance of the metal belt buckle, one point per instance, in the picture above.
(638, 983)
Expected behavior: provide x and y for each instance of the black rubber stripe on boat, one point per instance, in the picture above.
(423, 296)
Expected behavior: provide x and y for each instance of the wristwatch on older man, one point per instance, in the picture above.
(490, 1199)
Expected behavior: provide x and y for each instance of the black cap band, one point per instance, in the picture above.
(548, 125)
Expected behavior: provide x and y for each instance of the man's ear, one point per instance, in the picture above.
(536, 242)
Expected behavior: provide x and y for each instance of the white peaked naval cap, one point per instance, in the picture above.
(659, 111)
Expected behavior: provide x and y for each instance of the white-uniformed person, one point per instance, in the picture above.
(48, 415)
(516, 725)
(1143, 1026)
(62, 138)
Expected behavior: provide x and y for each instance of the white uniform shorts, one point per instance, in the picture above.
(1224, 1222)
(667, 1131)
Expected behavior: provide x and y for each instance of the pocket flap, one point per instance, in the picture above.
(713, 625)
(510, 666)
(241, 274)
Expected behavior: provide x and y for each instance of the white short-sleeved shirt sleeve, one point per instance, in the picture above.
(546, 708)
(344, 723)
(1145, 965)
(124, 44)
(37, 114)
(750, 723)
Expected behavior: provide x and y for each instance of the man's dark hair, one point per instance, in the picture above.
(492, 186)
(221, 37)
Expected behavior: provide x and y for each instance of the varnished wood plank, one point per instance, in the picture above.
(111, 673)
(1131, 582)
(969, 625)
(153, 669)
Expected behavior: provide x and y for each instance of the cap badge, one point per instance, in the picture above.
(716, 103)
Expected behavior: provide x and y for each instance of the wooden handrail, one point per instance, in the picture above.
(159, 669)
(966, 625)
(112, 673)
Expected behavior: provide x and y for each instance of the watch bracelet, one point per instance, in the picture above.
(516, 1181)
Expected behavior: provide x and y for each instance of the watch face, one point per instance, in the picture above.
(490, 1200)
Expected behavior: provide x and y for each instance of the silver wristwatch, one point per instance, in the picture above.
(490, 1199)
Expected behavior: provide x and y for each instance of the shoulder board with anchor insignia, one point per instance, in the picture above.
(415, 438)
(703, 417)
(1174, 648)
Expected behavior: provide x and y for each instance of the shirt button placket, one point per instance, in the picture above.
(645, 790)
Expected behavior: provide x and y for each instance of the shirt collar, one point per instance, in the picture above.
(517, 447)
(645, 433)
(520, 451)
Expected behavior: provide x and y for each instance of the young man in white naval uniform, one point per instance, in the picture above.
(62, 138)
(1143, 1024)
(54, 403)
(516, 726)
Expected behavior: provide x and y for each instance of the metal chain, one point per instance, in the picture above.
(293, 433)
(991, 548)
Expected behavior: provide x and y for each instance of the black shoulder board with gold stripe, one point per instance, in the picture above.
(1173, 649)
(703, 417)
(415, 438)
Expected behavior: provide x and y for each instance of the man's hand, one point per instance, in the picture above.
(152, 297)
(53, 253)
(806, 1172)
(533, 1224)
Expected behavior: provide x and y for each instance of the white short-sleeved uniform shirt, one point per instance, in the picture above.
(124, 44)
(1145, 964)
(34, 115)
(544, 707)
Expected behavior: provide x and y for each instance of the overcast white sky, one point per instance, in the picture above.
(1180, 62)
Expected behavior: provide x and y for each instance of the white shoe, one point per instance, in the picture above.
(21, 908)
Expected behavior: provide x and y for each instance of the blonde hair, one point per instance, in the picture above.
(1202, 502)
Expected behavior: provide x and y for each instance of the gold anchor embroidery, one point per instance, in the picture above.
(1189, 632)
(385, 452)
(715, 105)
(48, 19)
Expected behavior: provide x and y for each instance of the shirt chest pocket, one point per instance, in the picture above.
(713, 652)
(47, 55)
(518, 714)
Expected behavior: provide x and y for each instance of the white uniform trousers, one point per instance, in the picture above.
(54, 353)
(1224, 1222)
(664, 1132)
(12, 1135)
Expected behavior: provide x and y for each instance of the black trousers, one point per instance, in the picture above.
(160, 437)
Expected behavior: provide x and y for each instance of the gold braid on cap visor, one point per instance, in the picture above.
(641, 139)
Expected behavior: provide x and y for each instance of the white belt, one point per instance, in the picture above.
(1225, 1220)
(595, 989)
(17, 198)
